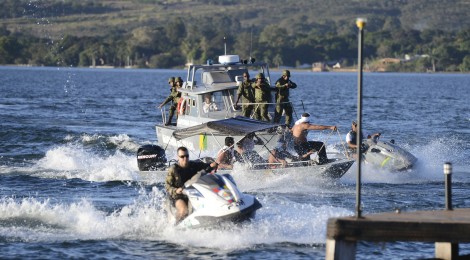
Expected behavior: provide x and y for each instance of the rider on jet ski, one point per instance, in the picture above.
(178, 174)
(351, 138)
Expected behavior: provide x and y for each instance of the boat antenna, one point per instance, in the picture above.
(225, 46)
(251, 40)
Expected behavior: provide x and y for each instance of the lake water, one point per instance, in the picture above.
(69, 183)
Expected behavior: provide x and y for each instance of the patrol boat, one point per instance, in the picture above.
(152, 159)
(218, 85)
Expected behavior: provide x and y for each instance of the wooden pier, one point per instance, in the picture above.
(446, 228)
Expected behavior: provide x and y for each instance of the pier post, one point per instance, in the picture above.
(446, 250)
(448, 184)
(360, 22)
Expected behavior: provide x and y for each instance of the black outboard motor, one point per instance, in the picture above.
(151, 158)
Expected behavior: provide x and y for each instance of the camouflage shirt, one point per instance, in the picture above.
(174, 96)
(246, 91)
(282, 93)
(177, 176)
(262, 92)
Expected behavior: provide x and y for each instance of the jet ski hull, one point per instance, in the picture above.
(213, 199)
(389, 156)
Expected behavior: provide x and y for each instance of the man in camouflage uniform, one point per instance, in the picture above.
(173, 97)
(283, 85)
(178, 174)
(262, 96)
(246, 91)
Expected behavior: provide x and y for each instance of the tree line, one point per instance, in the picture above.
(181, 40)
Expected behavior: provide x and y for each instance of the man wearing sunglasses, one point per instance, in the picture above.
(178, 174)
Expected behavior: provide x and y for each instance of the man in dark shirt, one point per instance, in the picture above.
(178, 174)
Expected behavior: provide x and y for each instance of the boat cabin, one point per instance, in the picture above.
(214, 96)
(208, 94)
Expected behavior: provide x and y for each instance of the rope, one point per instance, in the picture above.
(324, 144)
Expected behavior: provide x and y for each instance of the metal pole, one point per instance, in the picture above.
(360, 25)
(448, 174)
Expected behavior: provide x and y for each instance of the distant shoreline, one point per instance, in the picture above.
(344, 70)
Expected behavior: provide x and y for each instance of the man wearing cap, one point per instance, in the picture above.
(262, 92)
(351, 138)
(246, 91)
(173, 97)
(283, 85)
(301, 145)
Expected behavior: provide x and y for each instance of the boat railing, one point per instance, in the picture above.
(163, 111)
(279, 165)
(271, 113)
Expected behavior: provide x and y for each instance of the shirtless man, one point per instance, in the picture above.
(301, 145)
(226, 154)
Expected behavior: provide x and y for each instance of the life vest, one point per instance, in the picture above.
(181, 107)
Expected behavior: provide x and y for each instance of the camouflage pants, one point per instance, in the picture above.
(247, 110)
(261, 112)
(280, 107)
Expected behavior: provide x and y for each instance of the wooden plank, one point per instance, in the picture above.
(426, 226)
(446, 251)
(340, 250)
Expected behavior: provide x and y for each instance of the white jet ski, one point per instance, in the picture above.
(387, 155)
(214, 198)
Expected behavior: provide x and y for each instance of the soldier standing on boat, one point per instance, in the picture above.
(246, 91)
(262, 96)
(173, 97)
(283, 85)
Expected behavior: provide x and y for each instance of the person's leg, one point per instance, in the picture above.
(277, 113)
(302, 149)
(264, 112)
(288, 109)
(181, 210)
(249, 110)
(171, 113)
(320, 147)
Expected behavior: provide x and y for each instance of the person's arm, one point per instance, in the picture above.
(168, 99)
(320, 127)
(209, 167)
(279, 85)
(292, 84)
(307, 155)
(220, 158)
(239, 93)
(170, 182)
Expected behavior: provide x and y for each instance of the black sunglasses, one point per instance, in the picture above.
(184, 155)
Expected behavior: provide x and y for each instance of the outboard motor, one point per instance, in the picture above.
(151, 158)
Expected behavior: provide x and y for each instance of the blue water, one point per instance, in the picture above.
(69, 183)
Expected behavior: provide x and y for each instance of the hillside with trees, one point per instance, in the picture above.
(435, 35)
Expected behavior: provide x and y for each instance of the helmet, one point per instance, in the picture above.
(172, 79)
(260, 76)
(286, 73)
